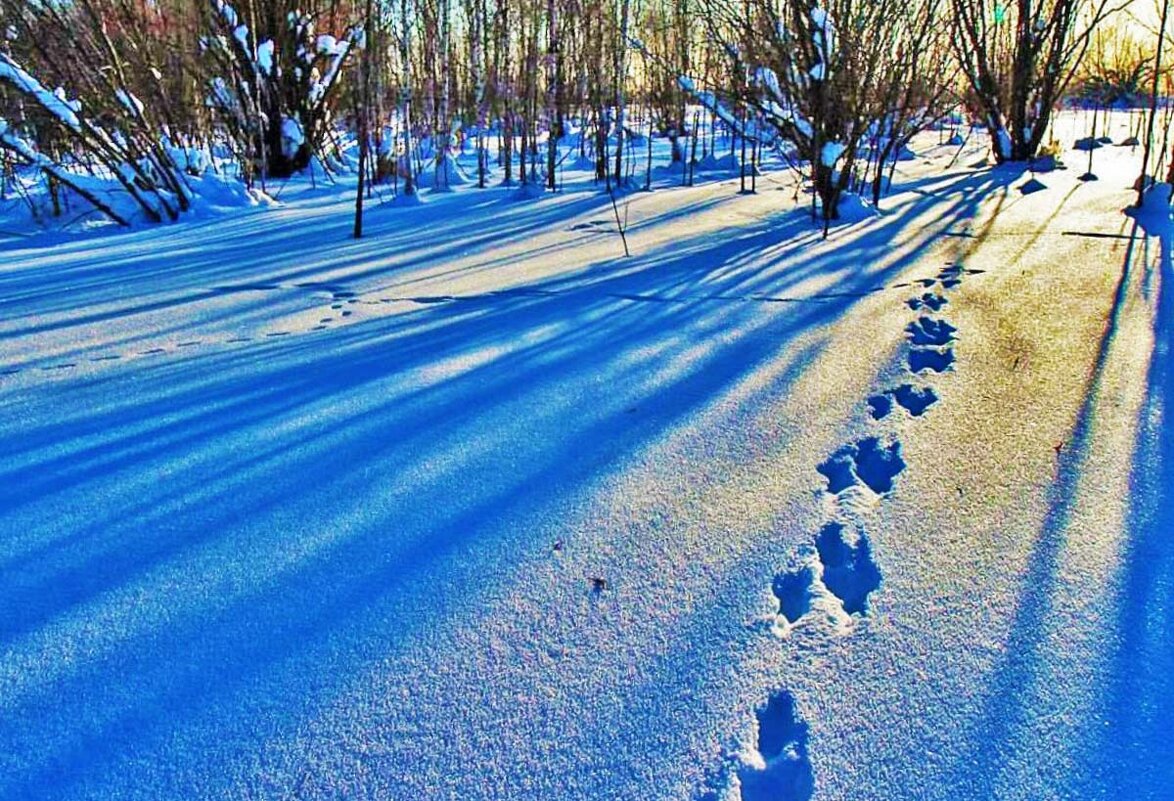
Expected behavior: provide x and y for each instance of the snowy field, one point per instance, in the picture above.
(477, 508)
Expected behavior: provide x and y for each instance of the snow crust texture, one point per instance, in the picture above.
(830, 583)
(479, 508)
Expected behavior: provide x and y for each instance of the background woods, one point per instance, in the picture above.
(129, 104)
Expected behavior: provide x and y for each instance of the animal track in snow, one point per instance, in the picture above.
(913, 400)
(929, 301)
(925, 358)
(910, 398)
(849, 571)
(784, 773)
(880, 405)
(793, 589)
(868, 462)
(930, 331)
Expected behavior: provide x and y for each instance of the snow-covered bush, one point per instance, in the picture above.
(845, 82)
(273, 80)
(93, 93)
(1018, 59)
(93, 149)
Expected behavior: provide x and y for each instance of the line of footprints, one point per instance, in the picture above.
(829, 582)
(339, 297)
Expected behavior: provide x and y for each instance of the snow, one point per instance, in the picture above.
(1002, 142)
(442, 173)
(227, 13)
(14, 141)
(292, 136)
(750, 128)
(265, 56)
(337, 50)
(831, 152)
(824, 40)
(129, 101)
(853, 208)
(330, 46)
(54, 102)
(767, 77)
(286, 514)
(1154, 214)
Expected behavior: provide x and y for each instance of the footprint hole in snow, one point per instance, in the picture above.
(782, 743)
(793, 591)
(930, 359)
(849, 571)
(880, 405)
(877, 465)
(838, 470)
(914, 400)
(930, 331)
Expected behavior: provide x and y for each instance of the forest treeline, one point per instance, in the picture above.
(143, 95)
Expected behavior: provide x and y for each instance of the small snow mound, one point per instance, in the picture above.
(584, 163)
(529, 191)
(672, 168)
(212, 195)
(1154, 213)
(853, 208)
(442, 174)
(712, 163)
(1032, 186)
(1087, 143)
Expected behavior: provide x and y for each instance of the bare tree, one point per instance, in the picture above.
(274, 76)
(1018, 57)
(830, 89)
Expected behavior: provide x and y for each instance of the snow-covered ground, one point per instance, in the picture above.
(477, 508)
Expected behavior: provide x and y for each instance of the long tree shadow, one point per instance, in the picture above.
(1135, 750)
(996, 736)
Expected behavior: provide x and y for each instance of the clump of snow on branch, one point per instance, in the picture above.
(53, 102)
(824, 38)
(831, 153)
(748, 128)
